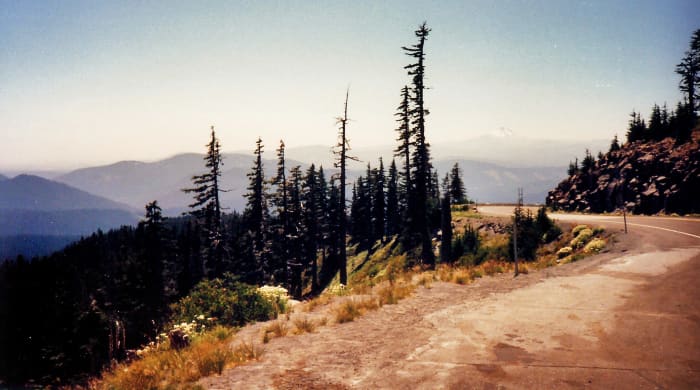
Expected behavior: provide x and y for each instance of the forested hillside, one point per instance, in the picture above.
(69, 314)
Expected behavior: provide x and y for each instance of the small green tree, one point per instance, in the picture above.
(446, 223)
(458, 193)
(206, 207)
(614, 145)
(689, 70)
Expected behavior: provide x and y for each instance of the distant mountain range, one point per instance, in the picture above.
(137, 183)
(79, 202)
(38, 216)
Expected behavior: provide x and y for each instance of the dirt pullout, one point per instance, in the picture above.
(615, 320)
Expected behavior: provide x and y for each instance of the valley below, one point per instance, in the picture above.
(626, 318)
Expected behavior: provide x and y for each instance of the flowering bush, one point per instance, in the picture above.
(226, 301)
(278, 296)
(337, 289)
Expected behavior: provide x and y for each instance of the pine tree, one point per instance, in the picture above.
(295, 264)
(393, 216)
(614, 145)
(403, 150)
(421, 174)
(446, 223)
(155, 260)
(458, 194)
(681, 123)
(637, 129)
(280, 181)
(361, 213)
(588, 162)
(689, 70)
(207, 207)
(279, 228)
(256, 210)
(379, 203)
(656, 126)
(311, 228)
(324, 222)
(331, 264)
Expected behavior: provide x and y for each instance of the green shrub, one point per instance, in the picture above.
(594, 246)
(227, 301)
(581, 238)
(565, 251)
(575, 231)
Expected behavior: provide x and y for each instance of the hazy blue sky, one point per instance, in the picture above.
(99, 81)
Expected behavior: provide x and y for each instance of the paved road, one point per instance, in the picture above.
(628, 318)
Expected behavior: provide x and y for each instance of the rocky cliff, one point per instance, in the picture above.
(644, 177)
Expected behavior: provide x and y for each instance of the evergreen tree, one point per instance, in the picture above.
(588, 162)
(458, 194)
(324, 222)
(295, 263)
(155, 259)
(403, 151)
(614, 145)
(393, 216)
(256, 210)
(421, 173)
(681, 123)
(379, 202)
(207, 207)
(637, 128)
(311, 228)
(656, 125)
(689, 70)
(361, 213)
(446, 241)
(280, 181)
(279, 228)
(335, 240)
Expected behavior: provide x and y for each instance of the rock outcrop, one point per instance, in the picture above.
(646, 178)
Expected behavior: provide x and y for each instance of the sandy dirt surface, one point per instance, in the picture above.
(628, 318)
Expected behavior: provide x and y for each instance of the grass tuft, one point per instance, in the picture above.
(304, 325)
(275, 329)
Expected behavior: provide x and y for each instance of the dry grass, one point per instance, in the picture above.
(208, 354)
(353, 308)
(312, 304)
(426, 279)
(491, 268)
(304, 325)
(275, 329)
(393, 293)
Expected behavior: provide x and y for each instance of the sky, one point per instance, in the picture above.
(95, 82)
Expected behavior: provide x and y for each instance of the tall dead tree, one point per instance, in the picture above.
(341, 151)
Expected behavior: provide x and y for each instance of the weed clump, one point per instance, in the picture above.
(304, 325)
(594, 246)
(565, 251)
(581, 238)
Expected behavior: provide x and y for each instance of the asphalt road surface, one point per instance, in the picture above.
(627, 318)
